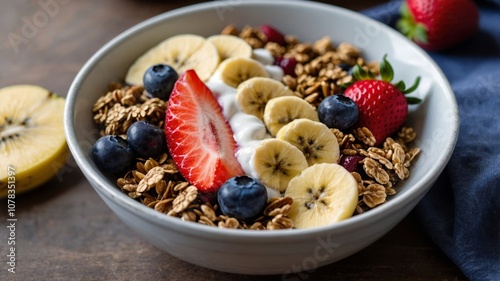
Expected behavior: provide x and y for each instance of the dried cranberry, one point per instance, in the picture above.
(351, 162)
(287, 64)
(273, 35)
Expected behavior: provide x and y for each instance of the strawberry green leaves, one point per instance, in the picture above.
(386, 71)
(437, 25)
(359, 73)
(410, 28)
(402, 87)
(387, 75)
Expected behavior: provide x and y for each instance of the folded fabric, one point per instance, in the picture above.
(461, 212)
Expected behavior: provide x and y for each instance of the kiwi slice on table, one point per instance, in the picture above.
(32, 140)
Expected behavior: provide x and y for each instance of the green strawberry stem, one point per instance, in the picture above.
(400, 85)
(413, 87)
(386, 71)
(360, 74)
(387, 74)
(413, 100)
(410, 28)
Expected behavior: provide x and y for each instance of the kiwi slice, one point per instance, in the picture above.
(32, 141)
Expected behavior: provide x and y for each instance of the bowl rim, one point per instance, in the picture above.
(373, 216)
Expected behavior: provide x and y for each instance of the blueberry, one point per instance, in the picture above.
(146, 140)
(338, 111)
(159, 80)
(345, 66)
(242, 197)
(112, 154)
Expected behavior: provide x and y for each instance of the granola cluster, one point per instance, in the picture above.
(318, 72)
(122, 105)
(159, 185)
(383, 167)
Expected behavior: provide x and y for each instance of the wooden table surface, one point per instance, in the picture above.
(65, 232)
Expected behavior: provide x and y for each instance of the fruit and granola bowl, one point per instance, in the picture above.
(248, 142)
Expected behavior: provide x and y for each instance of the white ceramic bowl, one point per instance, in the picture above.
(268, 252)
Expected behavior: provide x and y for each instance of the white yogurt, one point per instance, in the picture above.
(275, 72)
(218, 87)
(247, 128)
(263, 56)
(249, 131)
(229, 106)
(244, 155)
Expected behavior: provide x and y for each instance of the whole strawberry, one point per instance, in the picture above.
(383, 107)
(438, 24)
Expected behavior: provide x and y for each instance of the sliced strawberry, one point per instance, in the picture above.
(199, 139)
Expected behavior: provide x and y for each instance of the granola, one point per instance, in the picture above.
(383, 167)
(123, 105)
(158, 184)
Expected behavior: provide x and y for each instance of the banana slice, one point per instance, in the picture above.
(283, 110)
(182, 52)
(230, 46)
(32, 141)
(276, 162)
(253, 94)
(322, 194)
(234, 71)
(313, 138)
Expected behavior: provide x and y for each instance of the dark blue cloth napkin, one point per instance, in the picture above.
(461, 212)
